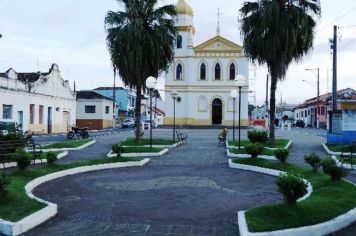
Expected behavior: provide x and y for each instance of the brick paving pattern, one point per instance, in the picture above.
(188, 191)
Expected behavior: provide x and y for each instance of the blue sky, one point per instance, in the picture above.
(71, 34)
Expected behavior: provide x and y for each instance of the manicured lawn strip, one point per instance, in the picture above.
(279, 143)
(328, 200)
(132, 142)
(243, 151)
(12, 159)
(338, 147)
(347, 161)
(141, 150)
(68, 144)
(16, 205)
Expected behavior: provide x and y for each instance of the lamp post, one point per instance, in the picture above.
(240, 82)
(174, 95)
(151, 84)
(318, 95)
(233, 95)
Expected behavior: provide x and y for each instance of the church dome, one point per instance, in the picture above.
(183, 8)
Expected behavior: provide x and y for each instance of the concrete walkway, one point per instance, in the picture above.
(188, 191)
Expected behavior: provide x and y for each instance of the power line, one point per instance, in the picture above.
(337, 18)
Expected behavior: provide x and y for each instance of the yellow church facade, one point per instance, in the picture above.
(203, 77)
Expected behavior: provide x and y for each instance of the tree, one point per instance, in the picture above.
(276, 33)
(141, 42)
(156, 95)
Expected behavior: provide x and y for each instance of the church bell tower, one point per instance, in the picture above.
(185, 28)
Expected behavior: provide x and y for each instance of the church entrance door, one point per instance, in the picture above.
(217, 112)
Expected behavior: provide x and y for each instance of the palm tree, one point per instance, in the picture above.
(141, 42)
(276, 33)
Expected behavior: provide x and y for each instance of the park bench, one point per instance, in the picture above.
(181, 137)
(222, 136)
(349, 154)
(8, 148)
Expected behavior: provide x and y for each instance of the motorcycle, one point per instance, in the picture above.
(79, 132)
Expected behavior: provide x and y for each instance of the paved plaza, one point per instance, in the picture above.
(188, 191)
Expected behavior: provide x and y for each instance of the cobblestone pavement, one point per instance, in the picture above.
(188, 191)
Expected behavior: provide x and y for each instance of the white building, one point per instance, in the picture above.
(40, 102)
(204, 76)
(94, 110)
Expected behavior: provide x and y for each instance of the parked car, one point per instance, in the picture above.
(128, 123)
(300, 124)
(154, 123)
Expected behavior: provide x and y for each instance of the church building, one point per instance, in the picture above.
(203, 77)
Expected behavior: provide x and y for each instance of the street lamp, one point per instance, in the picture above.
(240, 82)
(151, 84)
(174, 95)
(233, 95)
(318, 95)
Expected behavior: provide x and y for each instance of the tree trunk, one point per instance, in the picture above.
(272, 103)
(138, 115)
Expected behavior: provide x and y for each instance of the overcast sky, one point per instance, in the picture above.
(71, 33)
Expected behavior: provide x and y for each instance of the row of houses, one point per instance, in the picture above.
(316, 115)
(44, 102)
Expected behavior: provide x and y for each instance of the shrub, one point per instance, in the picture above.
(281, 154)
(23, 159)
(4, 182)
(292, 187)
(51, 157)
(254, 149)
(258, 136)
(313, 160)
(117, 149)
(12, 133)
(330, 168)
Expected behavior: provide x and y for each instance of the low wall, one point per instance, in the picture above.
(346, 137)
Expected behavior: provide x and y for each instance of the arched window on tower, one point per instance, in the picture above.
(179, 72)
(232, 71)
(203, 72)
(179, 41)
(217, 71)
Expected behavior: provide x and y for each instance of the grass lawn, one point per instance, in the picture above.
(279, 143)
(68, 144)
(243, 151)
(141, 150)
(15, 204)
(347, 161)
(132, 142)
(12, 159)
(338, 147)
(328, 200)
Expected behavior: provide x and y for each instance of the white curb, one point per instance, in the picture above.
(233, 155)
(330, 152)
(14, 164)
(286, 147)
(334, 153)
(272, 149)
(312, 230)
(158, 146)
(70, 149)
(20, 227)
(143, 154)
(338, 163)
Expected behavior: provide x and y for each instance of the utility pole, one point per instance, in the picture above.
(267, 93)
(317, 110)
(318, 101)
(267, 109)
(334, 47)
(114, 101)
